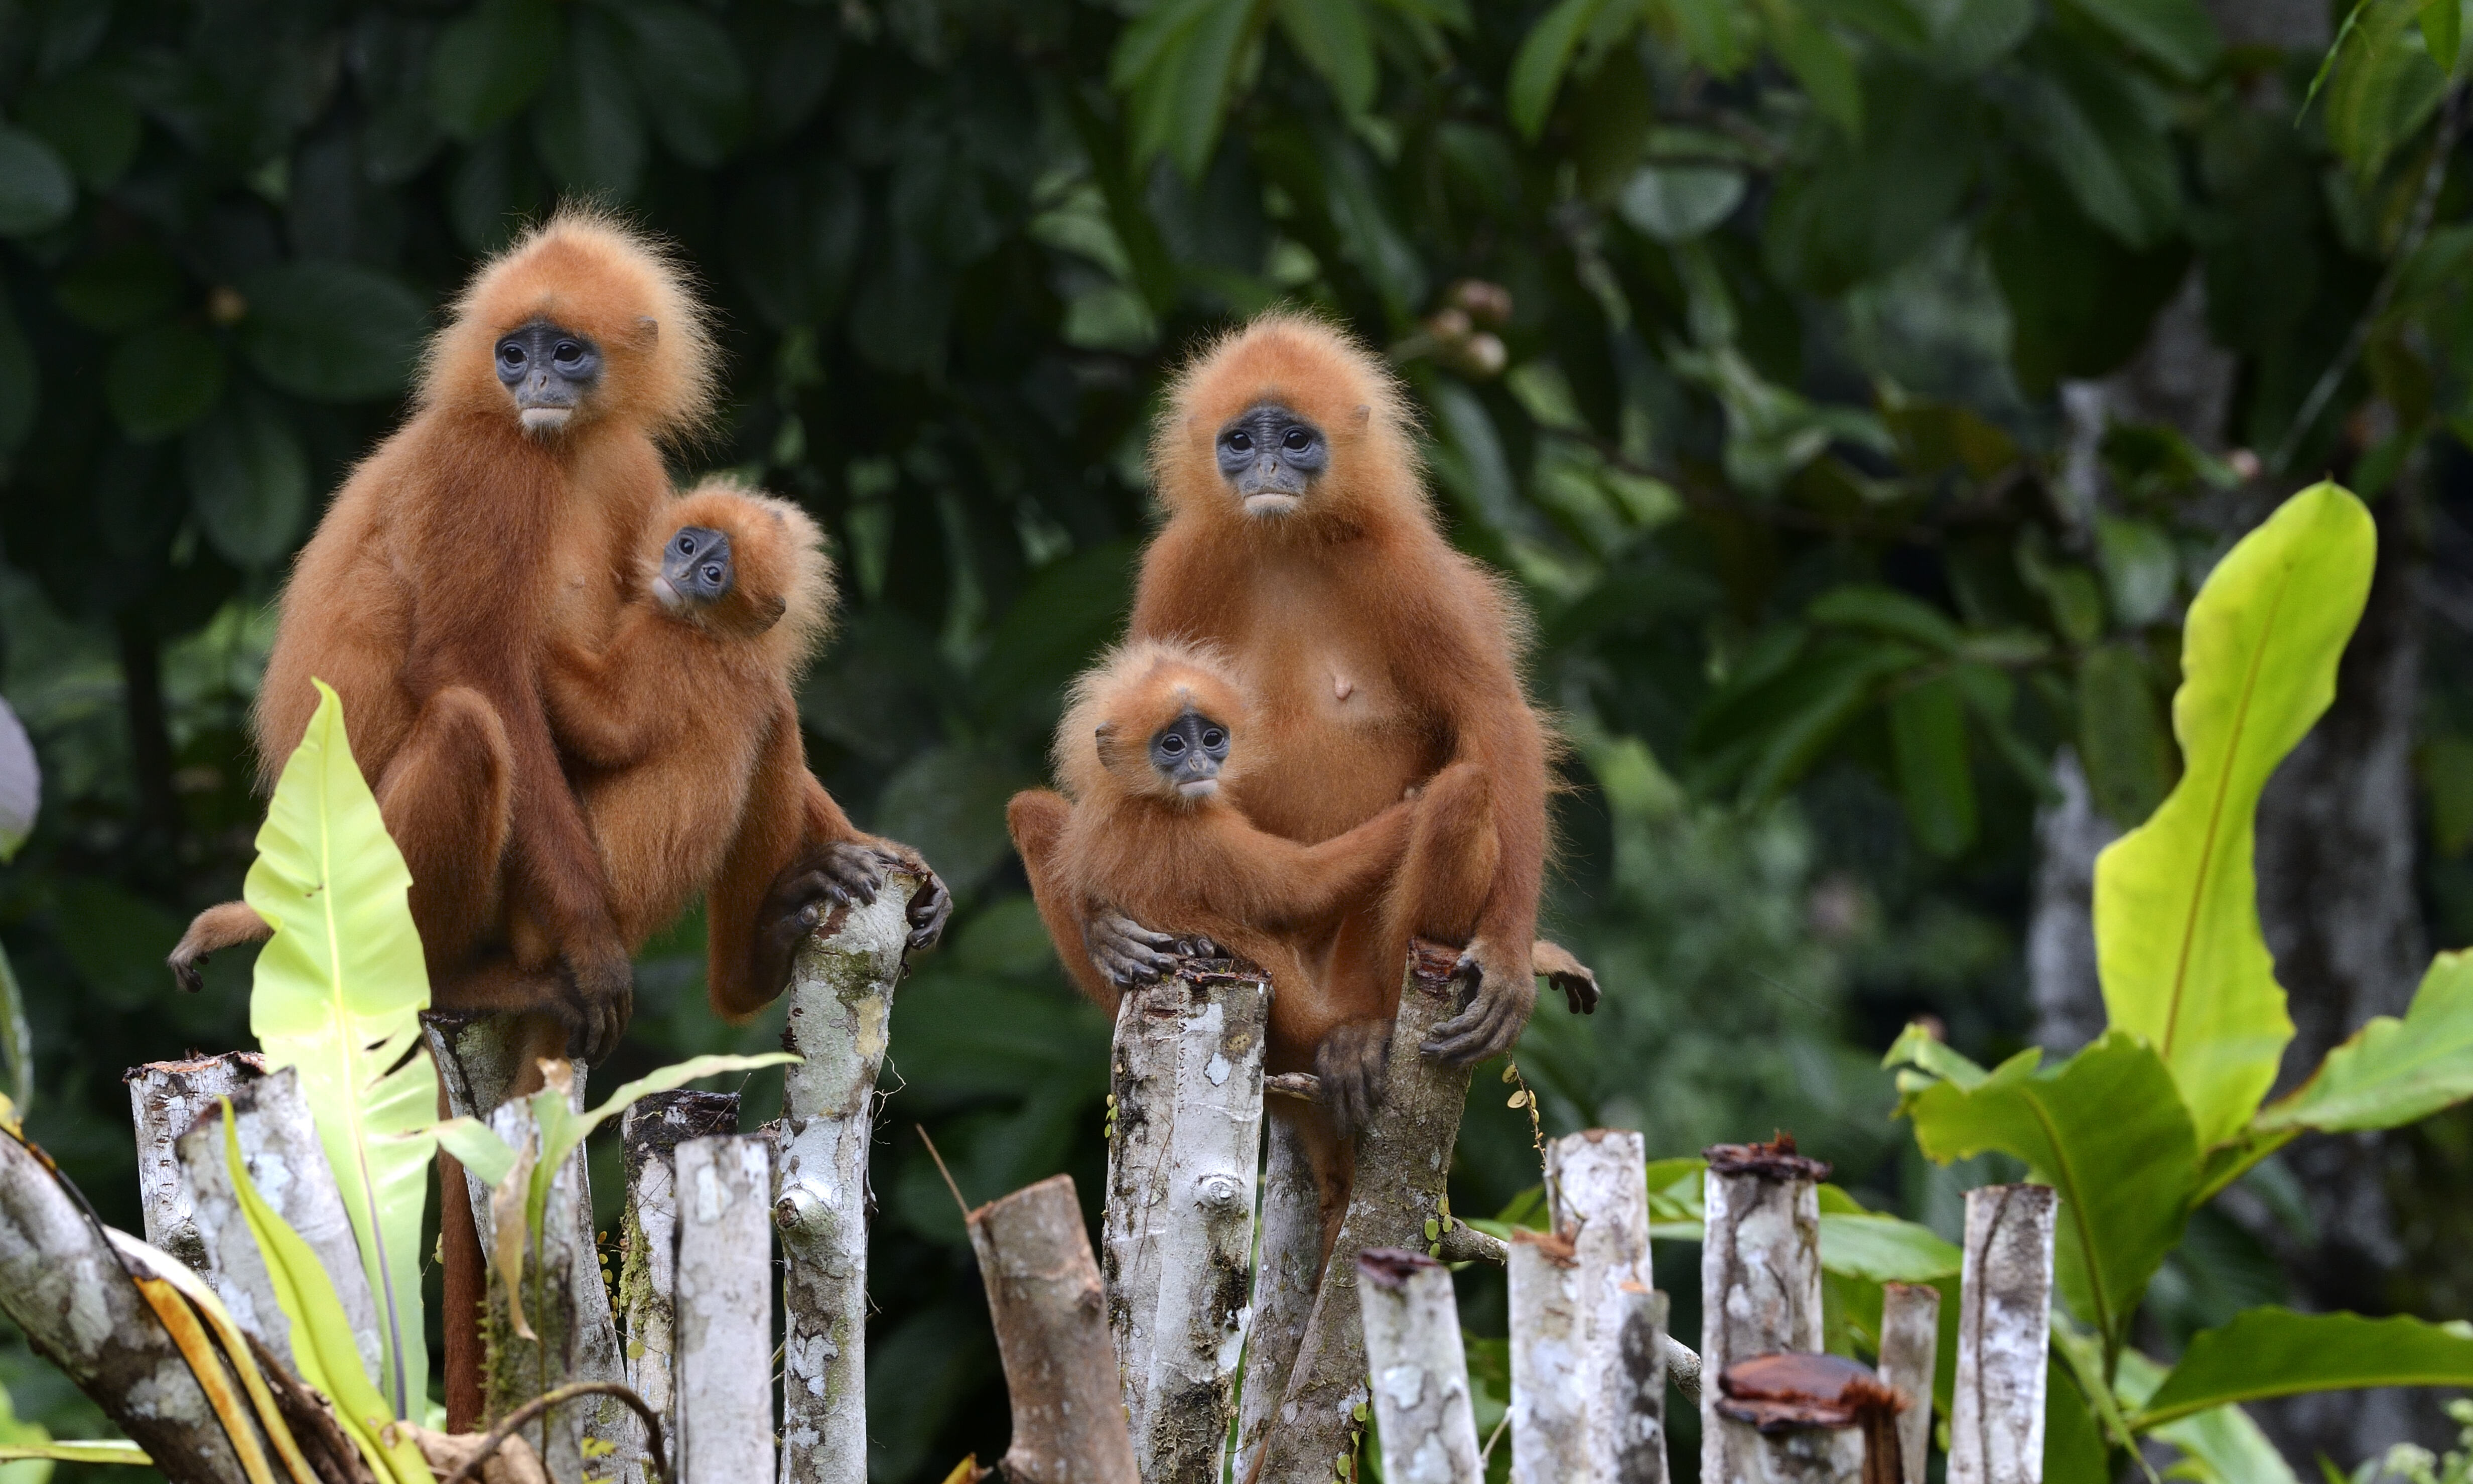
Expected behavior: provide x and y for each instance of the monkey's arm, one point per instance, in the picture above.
(1036, 818)
(1292, 885)
(602, 716)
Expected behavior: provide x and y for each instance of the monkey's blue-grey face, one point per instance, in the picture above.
(696, 569)
(1270, 456)
(549, 371)
(1187, 752)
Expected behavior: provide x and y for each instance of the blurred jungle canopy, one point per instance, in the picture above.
(1878, 379)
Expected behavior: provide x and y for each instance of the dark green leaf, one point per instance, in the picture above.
(249, 481)
(1676, 202)
(1928, 732)
(19, 384)
(1070, 609)
(2276, 1352)
(2105, 130)
(2121, 735)
(693, 79)
(161, 380)
(1868, 205)
(121, 288)
(588, 129)
(2178, 34)
(332, 332)
(1717, 33)
(2392, 1072)
(2385, 86)
(2074, 1451)
(2107, 1130)
(1544, 57)
(2442, 31)
(35, 191)
(491, 62)
(1332, 37)
(1177, 63)
(88, 118)
(2140, 568)
(949, 804)
(1885, 610)
(795, 236)
(1819, 61)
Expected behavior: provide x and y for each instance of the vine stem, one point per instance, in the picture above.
(2450, 124)
(470, 1468)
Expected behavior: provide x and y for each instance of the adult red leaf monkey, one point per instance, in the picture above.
(502, 520)
(1301, 543)
(1156, 736)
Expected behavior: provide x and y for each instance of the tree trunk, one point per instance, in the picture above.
(650, 1133)
(1996, 1425)
(1044, 1296)
(1419, 1369)
(164, 1099)
(725, 1311)
(1286, 1272)
(1910, 1356)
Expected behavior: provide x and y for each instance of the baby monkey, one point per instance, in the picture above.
(1149, 738)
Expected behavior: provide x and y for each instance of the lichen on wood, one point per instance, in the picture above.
(1996, 1423)
(649, 1132)
(1418, 1369)
(164, 1100)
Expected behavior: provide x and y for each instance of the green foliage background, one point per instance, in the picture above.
(1772, 447)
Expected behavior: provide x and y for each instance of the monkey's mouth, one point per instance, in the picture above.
(1197, 788)
(666, 596)
(1272, 503)
(538, 421)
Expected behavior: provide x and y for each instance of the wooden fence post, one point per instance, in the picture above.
(1760, 1293)
(1176, 1235)
(1403, 1164)
(1910, 1354)
(725, 1311)
(1418, 1369)
(841, 1003)
(1639, 1387)
(1996, 1425)
(62, 1285)
(164, 1099)
(279, 1149)
(1286, 1273)
(650, 1132)
(1550, 1393)
(1044, 1297)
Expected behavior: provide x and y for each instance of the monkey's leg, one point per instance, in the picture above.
(447, 799)
(223, 925)
(1448, 872)
(465, 1283)
(1331, 1154)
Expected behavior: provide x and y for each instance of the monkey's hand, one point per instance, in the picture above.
(1128, 953)
(1506, 992)
(599, 1000)
(930, 905)
(1351, 1061)
(1579, 983)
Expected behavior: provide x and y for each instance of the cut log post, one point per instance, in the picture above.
(725, 1310)
(1048, 1306)
(1403, 1165)
(650, 1132)
(1996, 1425)
(1909, 1352)
(1419, 1371)
(1760, 1293)
(279, 1149)
(564, 1303)
(1598, 1199)
(1287, 1265)
(63, 1287)
(841, 1002)
(164, 1099)
(1639, 1387)
(1176, 1230)
(1822, 1416)
(1550, 1394)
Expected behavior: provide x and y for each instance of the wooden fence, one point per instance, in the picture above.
(1203, 1339)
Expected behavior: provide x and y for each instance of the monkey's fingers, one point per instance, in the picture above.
(1351, 1062)
(1126, 952)
(1580, 990)
(1487, 1027)
(927, 913)
(859, 869)
(185, 972)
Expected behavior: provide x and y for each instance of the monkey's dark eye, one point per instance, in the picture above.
(1214, 739)
(568, 353)
(687, 546)
(712, 572)
(512, 352)
(1171, 744)
(1240, 442)
(1296, 439)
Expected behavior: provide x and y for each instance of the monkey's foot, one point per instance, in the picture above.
(218, 928)
(1578, 982)
(1350, 1066)
(600, 1000)
(1493, 1020)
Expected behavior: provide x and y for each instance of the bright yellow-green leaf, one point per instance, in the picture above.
(2184, 965)
(339, 994)
(323, 1349)
(99, 1450)
(2394, 1073)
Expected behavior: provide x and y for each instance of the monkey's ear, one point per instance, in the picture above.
(1104, 730)
(648, 327)
(1364, 415)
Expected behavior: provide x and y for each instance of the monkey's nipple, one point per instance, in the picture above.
(1340, 687)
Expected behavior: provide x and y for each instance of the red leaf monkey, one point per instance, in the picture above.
(1301, 543)
(501, 521)
(1156, 738)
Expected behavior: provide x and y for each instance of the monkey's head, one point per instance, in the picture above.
(1153, 719)
(739, 564)
(581, 324)
(1288, 424)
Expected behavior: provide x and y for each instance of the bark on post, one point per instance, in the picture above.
(1403, 1164)
(1176, 1235)
(725, 1311)
(1597, 1198)
(1910, 1354)
(841, 1002)
(650, 1132)
(1639, 1387)
(63, 1284)
(1760, 1293)
(1288, 1239)
(164, 1099)
(1996, 1425)
(280, 1148)
(1044, 1296)
(1551, 1396)
(1419, 1371)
